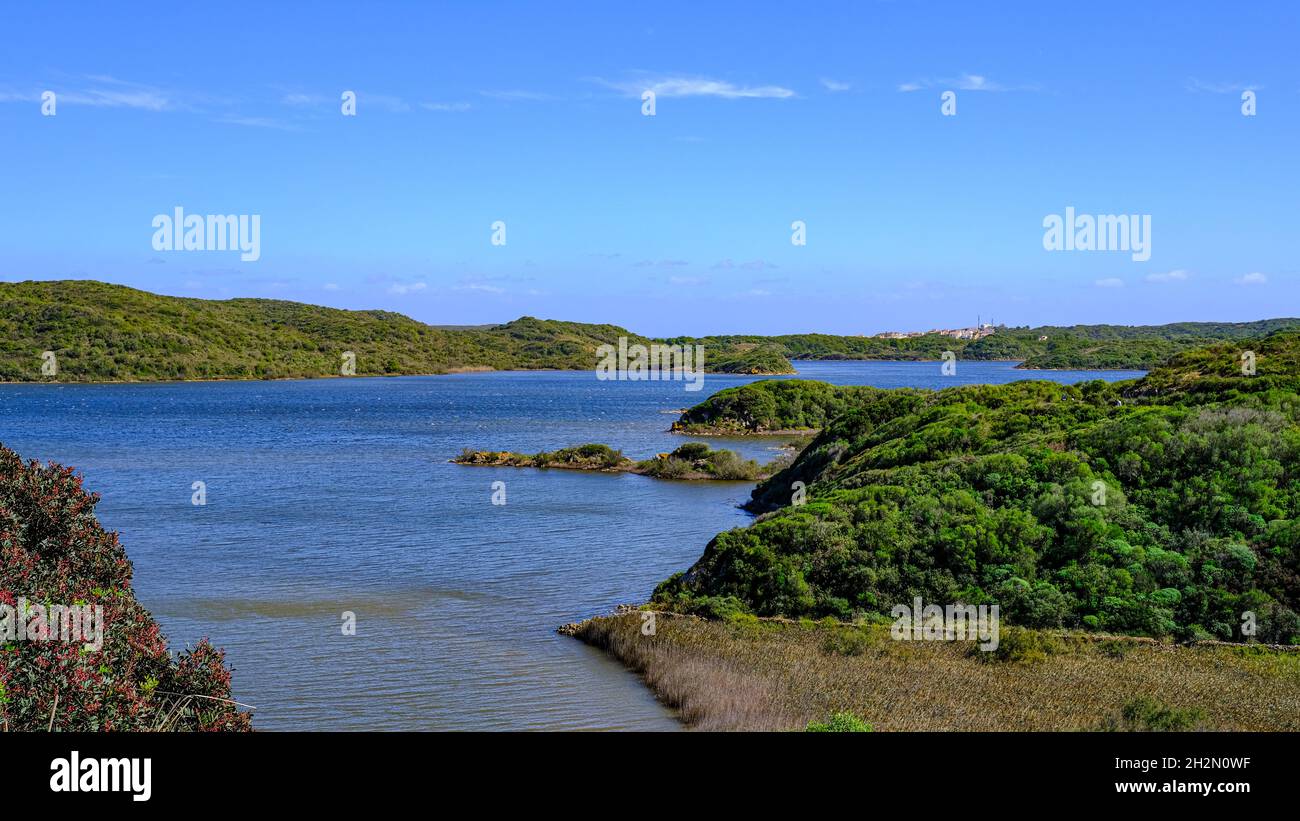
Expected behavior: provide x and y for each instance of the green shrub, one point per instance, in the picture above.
(846, 641)
(1115, 649)
(691, 451)
(1146, 714)
(726, 464)
(1017, 645)
(666, 468)
(839, 723)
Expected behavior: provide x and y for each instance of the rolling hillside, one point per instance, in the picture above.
(102, 333)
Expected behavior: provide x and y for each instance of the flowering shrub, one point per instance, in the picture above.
(53, 550)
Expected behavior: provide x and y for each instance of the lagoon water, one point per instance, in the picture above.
(334, 495)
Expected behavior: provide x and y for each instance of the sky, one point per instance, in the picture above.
(531, 115)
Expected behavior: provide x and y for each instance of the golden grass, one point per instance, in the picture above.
(775, 675)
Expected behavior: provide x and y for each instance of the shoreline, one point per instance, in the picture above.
(1074, 370)
(631, 471)
(448, 372)
(303, 378)
(461, 369)
(742, 434)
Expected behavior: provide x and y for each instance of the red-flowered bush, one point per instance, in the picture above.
(54, 551)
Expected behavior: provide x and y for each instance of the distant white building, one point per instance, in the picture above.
(974, 332)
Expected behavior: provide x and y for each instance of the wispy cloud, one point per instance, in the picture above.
(1197, 86)
(110, 92)
(402, 288)
(834, 86)
(663, 263)
(103, 91)
(977, 82)
(303, 100)
(258, 122)
(1253, 278)
(481, 287)
(383, 102)
(965, 82)
(1109, 282)
(446, 107)
(511, 283)
(99, 91)
(751, 265)
(1178, 275)
(148, 100)
(682, 86)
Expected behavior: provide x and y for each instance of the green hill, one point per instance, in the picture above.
(1073, 347)
(102, 332)
(1163, 506)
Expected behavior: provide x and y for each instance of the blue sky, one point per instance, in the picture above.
(530, 113)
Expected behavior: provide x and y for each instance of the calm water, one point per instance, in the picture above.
(325, 496)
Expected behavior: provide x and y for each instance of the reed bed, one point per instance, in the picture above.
(752, 674)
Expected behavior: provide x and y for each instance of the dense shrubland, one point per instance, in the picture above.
(773, 405)
(100, 332)
(1167, 506)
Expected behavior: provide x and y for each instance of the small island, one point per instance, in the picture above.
(693, 461)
